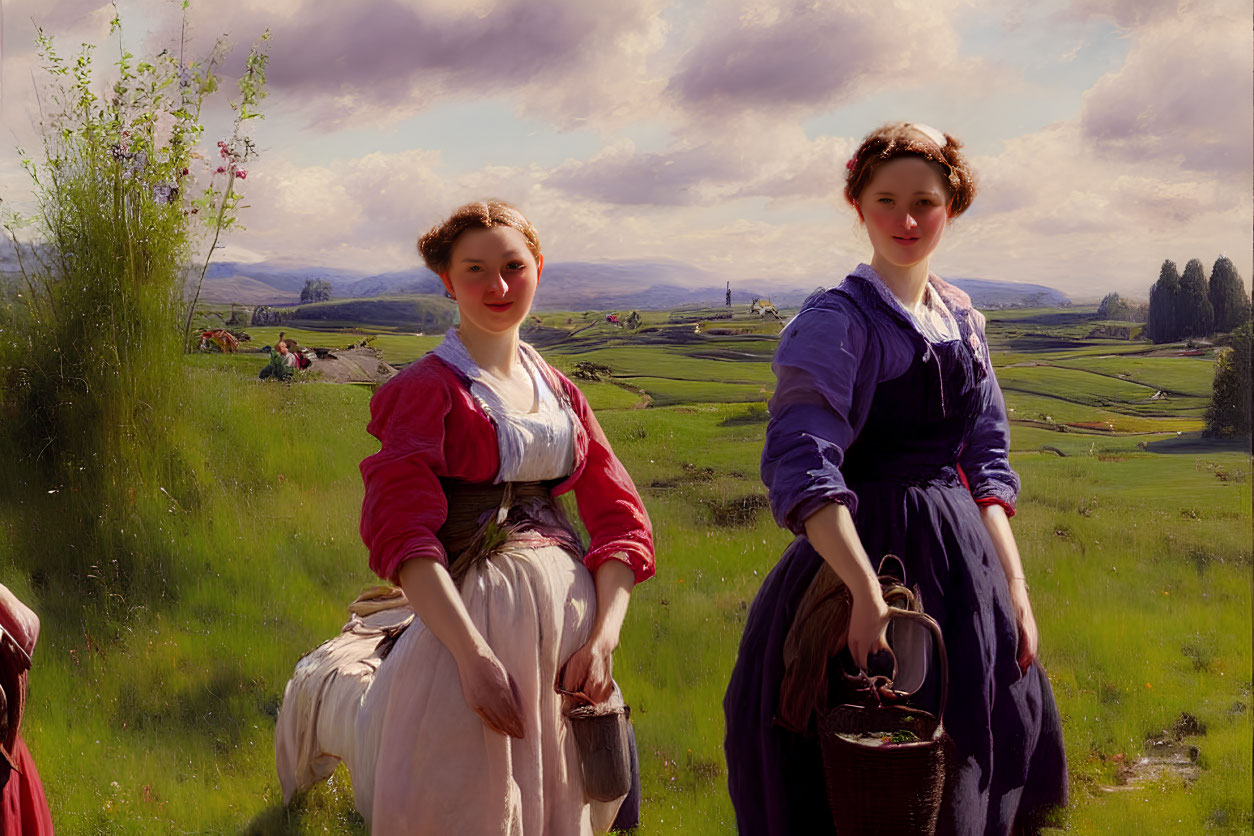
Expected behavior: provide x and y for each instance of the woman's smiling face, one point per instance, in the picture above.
(493, 276)
(905, 208)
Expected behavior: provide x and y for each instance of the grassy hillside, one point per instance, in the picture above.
(413, 313)
(1136, 540)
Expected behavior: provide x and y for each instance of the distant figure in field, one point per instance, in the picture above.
(282, 365)
(25, 810)
(888, 435)
(462, 730)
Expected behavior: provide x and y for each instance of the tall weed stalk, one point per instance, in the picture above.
(91, 392)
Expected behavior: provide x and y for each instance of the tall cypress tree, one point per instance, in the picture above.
(1162, 325)
(1230, 405)
(1227, 295)
(1196, 316)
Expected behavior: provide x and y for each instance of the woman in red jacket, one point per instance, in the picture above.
(461, 730)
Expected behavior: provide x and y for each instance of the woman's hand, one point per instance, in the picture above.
(1029, 639)
(590, 671)
(492, 693)
(868, 622)
(488, 688)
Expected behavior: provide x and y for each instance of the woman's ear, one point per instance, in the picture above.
(858, 209)
(539, 266)
(448, 285)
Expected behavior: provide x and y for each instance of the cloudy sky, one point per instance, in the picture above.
(1107, 134)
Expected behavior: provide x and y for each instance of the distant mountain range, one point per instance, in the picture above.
(570, 285)
(573, 285)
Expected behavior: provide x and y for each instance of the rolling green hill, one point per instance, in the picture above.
(421, 314)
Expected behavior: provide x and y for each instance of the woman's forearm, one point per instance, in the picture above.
(998, 526)
(435, 599)
(831, 532)
(614, 582)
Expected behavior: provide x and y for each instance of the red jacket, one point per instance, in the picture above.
(430, 427)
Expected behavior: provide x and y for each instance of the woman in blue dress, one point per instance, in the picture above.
(888, 435)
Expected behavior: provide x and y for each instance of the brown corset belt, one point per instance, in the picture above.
(484, 518)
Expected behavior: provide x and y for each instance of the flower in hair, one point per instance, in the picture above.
(852, 162)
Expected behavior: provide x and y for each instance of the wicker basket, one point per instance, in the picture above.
(891, 789)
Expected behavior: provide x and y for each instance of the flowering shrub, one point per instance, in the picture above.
(92, 331)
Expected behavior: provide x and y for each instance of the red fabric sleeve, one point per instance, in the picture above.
(986, 500)
(404, 504)
(609, 505)
(993, 500)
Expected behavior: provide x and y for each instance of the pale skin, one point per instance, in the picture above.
(905, 208)
(493, 276)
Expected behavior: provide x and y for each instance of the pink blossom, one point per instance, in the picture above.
(220, 170)
(241, 173)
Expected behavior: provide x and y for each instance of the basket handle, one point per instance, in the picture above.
(930, 623)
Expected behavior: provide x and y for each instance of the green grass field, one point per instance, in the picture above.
(1137, 542)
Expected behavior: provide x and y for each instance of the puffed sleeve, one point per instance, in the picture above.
(404, 504)
(609, 505)
(821, 367)
(985, 455)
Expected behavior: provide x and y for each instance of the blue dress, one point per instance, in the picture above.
(870, 413)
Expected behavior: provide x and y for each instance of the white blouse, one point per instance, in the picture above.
(534, 446)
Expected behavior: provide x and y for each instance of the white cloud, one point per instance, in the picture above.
(719, 171)
(1182, 96)
(784, 56)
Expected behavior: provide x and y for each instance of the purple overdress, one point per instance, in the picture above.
(870, 413)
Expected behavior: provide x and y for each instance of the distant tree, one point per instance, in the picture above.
(1115, 307)
(1196, 317)
(1227, 296)
(266, 315)
(633, 320)
(1162, 325)
(315, 290)
(1229, 410)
